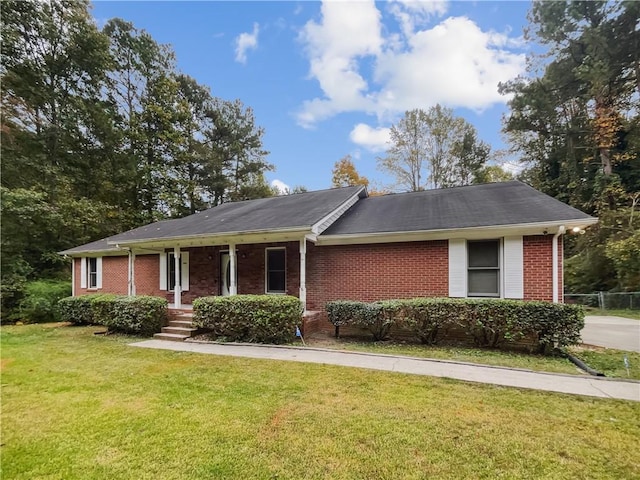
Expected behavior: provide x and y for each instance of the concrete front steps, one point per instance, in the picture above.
(180, 328)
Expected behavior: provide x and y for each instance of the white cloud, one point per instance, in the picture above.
(454, 62)
(373, 139)
(281, 187)
(412, 13)
(246, 41)
(348, 31)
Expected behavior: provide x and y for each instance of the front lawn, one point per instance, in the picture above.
(485, 356)
(75, 405)
(608, 361)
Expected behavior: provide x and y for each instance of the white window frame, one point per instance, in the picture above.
(165, 268)
(89, 280)
(92, 276)
(171, 265)
(266, 271)
(499, 268)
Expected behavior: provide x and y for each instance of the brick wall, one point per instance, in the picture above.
(376, 272)
(251, 267)
(147, 270)
(538, 265)
(355, 272)
(114, 276)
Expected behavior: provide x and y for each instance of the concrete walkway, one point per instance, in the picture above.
(612, 332)
(509, 377)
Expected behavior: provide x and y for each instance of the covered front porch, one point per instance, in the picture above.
(188, 270)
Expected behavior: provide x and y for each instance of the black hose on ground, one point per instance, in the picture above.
(581, 365)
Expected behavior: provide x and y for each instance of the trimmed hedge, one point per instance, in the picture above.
(141, 315)
(489, 323)
(249, 318)
(76, 310)
(376, 317)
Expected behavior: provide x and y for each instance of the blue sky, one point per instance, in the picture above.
(327, 79)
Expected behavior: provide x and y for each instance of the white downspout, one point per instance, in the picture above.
(554, 262)
(132, 273)
(303, 273)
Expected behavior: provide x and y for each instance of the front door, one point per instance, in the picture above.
(225, 274)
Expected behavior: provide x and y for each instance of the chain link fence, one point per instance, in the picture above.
(606, 300)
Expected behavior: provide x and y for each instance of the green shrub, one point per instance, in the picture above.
(371, 316)
(249, 318)
(488, 322)
(555, 324)
(142, 315)
(40, 301)
(492, 322)
(427, 318)
(76, 310)
(102, 307)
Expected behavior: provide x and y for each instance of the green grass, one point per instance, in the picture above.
(79, 406)
(460, 354)
(635, 314)
(609, 361)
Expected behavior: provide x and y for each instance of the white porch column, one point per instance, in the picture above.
(132, 274)
(303, 273)
(73, 276)
(554, 263)
(233, 287)
(177, 291)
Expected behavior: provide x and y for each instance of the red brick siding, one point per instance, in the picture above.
(376, 272)
(251, 267)
(114, 276)
(356, 272)
(147, 270)
(538, 265)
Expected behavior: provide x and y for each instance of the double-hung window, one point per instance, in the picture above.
(276, 270)
(92, 272)
(483, 268)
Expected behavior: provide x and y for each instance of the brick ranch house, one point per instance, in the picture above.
(500, 240)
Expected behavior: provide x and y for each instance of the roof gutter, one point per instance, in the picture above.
(486, 231)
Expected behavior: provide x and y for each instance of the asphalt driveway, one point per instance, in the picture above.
(612, 332)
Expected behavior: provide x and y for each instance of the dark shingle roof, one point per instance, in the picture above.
(300, 210)
(493, 204)
(505, 203)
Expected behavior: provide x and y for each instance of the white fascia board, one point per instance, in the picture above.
(328, 220)
(96, 253)
(112, 252)
(471, 233)
(260, 236)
